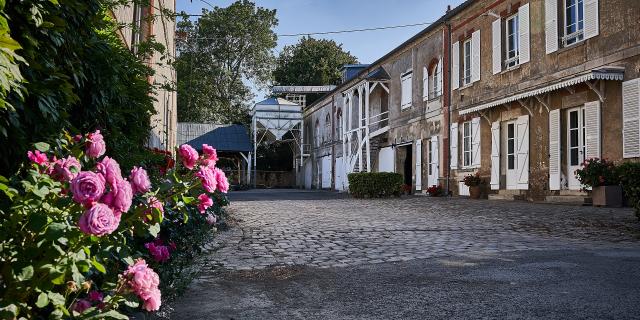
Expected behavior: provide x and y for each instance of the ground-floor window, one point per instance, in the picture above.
(466, 144)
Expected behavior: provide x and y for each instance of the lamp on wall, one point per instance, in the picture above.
(491, 14)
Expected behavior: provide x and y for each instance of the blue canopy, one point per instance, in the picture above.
(232, 138)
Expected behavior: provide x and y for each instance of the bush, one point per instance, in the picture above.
(629, 174)
(597, 172)
(473, 180)
(435, 190)
(375, 184)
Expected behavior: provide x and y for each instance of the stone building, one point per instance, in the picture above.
(155, 21)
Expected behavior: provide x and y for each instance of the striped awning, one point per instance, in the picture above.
(609, 73)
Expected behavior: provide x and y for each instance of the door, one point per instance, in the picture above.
(418, 165)
(387, 160)
(326, 172)
(575, 145)
(433, 156)
(339, 174)
(510, 156)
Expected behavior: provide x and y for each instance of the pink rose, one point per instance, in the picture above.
(159, 253)
(95, 296)
(62, 169)
(37, 157)
(221, 180)
(189, 156)
(153, 202)
(99, 220)
(81, 305)
(87, 187)
(110, 169)
(208, 178)
(95, 145)
(139, 180)
(211, 219)
(204, 202)
(152, 303)
(120, 196)
(210, 156)
(143, 281)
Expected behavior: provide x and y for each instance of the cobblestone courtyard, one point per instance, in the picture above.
(282, 235)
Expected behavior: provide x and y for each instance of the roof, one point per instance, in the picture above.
(378, 74)
(606, 73)
(275, 102)
(232, 138)
(302, 89)
(188, 131)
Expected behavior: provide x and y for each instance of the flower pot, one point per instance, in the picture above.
(607, 196)
(474, 192)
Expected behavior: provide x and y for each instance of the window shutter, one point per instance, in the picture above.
(592, 128)
(523, 152)
(475, 56)
(453, 148)
(436, 157)
(475, 142)
(495, 155)
(406, 90)
(631, 118)
(418, 164)
(554, 150)
(496, 38)
(591, 19)
(425, 83)
(551, 25)
(439, 77)
(455, 66)
(523, 25)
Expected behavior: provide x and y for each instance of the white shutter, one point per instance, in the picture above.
(475, 56)
(453, 143)
(554, 150)
(522, 125)
(591, 19)
(496, 38)
(435, 154)
(425, 83)
(631, 118)
(386, 160)
(406, 90)
(455, 66)
(439, 78)
(495, 155)
(523, 32)
(592, 128)
(418, 165)
(551, 25)
(475, 142)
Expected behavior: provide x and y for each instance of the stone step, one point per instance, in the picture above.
(573, 193)
(507, 192)
(568, 199)
(509, 197)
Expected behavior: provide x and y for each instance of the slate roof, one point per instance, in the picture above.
(232, 138)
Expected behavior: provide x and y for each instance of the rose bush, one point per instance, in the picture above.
(79, 240)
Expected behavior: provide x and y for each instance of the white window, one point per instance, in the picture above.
(579, 20)
(573, 21)
(405, 87)
(327, 126)
(512, 41)
(339, 124)
(435, 80)
(467, 153)
(466, 62)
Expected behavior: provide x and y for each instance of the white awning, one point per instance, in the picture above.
(609, 73)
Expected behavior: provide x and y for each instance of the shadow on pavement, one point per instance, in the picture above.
(285, 194)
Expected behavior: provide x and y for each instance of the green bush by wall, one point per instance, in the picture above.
(375, 184)
(629, 173)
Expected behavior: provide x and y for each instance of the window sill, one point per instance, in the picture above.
(403, 108)
(507, 70)
(571, 46)
(468, 85)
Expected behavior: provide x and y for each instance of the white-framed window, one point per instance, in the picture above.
(466, 62)
(339, 124)
(327, 126)
(512, 41)
(405, 88)
(435, 80)
(467, 152)
(573, 22)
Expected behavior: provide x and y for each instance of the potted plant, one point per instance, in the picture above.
(600, 175)
(435, 191)
(473, 181)
(406, 189)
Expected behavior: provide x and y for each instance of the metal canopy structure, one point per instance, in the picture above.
(273, 118)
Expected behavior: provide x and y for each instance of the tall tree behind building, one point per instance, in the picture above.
(219, 55)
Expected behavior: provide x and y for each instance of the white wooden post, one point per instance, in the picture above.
(366, 128)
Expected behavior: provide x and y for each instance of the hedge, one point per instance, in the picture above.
(629, 173)
(375, 184)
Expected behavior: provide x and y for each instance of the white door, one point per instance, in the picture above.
(418, 165)
(339, 174)
(386, 160)
(433, 156)
(326, 172)
(510, 155)
(575, 145)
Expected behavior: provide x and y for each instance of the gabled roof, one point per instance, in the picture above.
(379, 74)
(276, 101)
(232, 138)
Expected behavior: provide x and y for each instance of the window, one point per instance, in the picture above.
(573, 21)
(435, 81)
(430, 156)
(466, 62)
(318, 137)
(339, 124)
(511, 146)
(405, 87)
(512, 41)
(466, 144)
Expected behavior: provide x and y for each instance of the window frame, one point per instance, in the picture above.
(512, 62)
(467, 154)
(435, 90)
(466, 66)
(578, 35)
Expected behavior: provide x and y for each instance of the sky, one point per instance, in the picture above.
(300, 16)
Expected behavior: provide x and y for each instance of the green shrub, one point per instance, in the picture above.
(629, 173)
(375, 184)
(597, 172)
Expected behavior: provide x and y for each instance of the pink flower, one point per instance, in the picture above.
(189, 156)
(210, 156)
(139, 180)
(153, 202)
(95, 296)
(204, 202)
(95, 145)
(37, 157)
(87, 187)
(99, 220)
(110, 169)
(221, 180)
(143, 281)
(208, 179)
(61, 169)
(120, 196)
(211, 219)
(159, 253)
(152, 303)
(81, 305)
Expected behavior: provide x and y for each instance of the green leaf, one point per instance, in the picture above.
(129, 261)
(98, 265)
(56, 298)
(43, 300)
(188, 200)
(154, 229)
(42, 146)
(9, 312)
(26, 273)
(111, 314)
(57, 277)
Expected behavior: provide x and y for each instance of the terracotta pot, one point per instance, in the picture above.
(474, 192)
(607, 196)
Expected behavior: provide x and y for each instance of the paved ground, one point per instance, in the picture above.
(320, 255)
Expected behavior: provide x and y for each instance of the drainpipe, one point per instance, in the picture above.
(449, 67)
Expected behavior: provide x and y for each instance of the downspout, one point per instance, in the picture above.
(449, 97)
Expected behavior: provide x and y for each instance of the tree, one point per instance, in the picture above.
(218, 55)
(312, 62)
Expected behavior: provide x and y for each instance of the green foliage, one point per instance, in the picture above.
(217, 54)
(472, 180)
(375, 184)
(597, 172)
(10, 77)
(629, 173)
